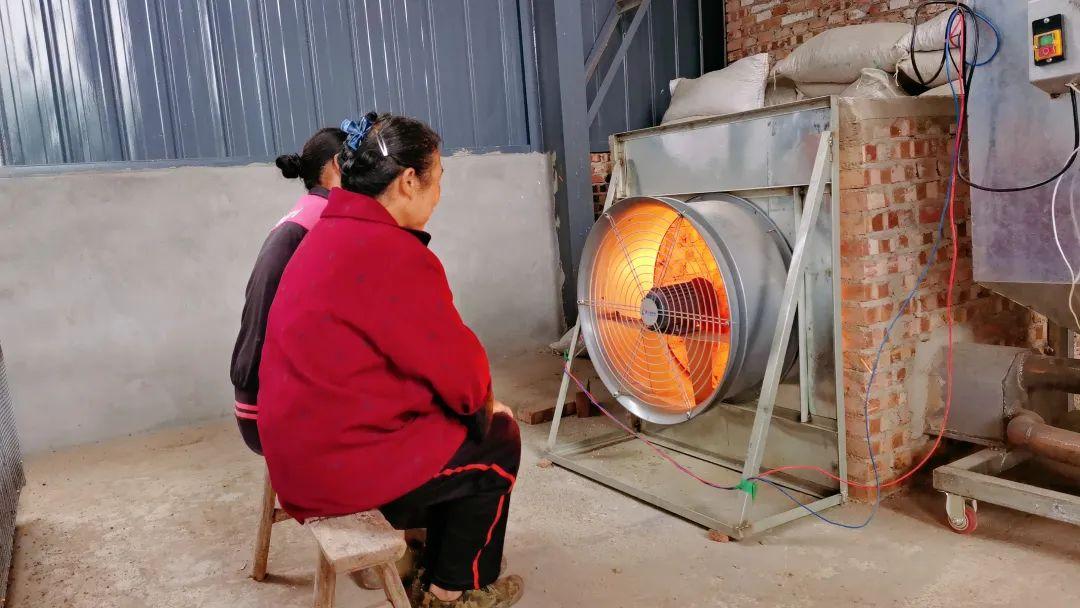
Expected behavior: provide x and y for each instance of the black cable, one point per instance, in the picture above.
(963, 8)
(970, 74)
(966, 71)
(1068, 165)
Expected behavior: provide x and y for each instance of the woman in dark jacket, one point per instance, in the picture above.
(316, 167)
(374, 392)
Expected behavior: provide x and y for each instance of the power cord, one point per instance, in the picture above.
(966, 71)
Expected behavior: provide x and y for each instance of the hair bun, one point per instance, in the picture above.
(291, 165)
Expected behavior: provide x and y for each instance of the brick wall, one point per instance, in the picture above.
(894, 162)
(601, 174)
(778, 26)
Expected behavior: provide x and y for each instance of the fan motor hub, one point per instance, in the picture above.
(676, 309)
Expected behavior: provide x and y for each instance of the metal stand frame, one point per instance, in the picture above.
(976, 477)
(751, 466)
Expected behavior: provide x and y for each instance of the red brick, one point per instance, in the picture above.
(893, 186)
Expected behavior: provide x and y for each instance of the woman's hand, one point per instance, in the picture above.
(500, 408)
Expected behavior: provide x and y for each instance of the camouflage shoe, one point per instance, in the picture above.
(414, 588)
(407, 568)
(503, 593)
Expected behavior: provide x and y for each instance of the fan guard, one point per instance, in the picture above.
(679, 300)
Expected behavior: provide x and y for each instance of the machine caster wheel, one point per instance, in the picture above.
(970, 522)
(961, 514)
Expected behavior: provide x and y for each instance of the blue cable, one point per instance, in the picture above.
(899, 314)
(997, 36)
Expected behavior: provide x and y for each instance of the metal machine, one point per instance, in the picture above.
(688, 292)
(1026, 246)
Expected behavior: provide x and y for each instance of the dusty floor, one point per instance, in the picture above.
(167, 520)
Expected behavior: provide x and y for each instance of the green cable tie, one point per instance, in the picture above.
(750, 487)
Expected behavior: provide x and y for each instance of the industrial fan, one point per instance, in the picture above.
(679, 301)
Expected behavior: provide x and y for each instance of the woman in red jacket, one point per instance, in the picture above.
(316, 167)
(374, 393)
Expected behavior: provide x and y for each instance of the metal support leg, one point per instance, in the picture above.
(805, 379)
(766, 402)
(563, 388)
(613, 185)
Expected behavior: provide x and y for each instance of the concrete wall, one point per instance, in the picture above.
(120, 292)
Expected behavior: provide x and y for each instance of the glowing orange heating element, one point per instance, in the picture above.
(661, 307)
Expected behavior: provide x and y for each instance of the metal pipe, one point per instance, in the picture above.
(1054, 373)
(1028, 430)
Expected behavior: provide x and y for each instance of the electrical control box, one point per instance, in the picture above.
(1053, 25)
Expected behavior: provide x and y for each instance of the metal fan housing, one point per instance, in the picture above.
(678, 301)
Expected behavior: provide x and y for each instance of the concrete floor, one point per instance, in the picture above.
(167, 520)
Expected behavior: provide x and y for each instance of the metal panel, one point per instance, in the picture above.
(666, 47)
(769, 148)
(86, 81)
(1019, 135)
(983, 384)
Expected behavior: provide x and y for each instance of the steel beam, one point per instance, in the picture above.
(601, 43)
(531, 73)
(616, 63)
(564, 108)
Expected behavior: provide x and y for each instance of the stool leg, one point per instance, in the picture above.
(325, 583)
(395, 591)
(266, 524)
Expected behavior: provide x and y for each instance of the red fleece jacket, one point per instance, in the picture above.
(367, 370)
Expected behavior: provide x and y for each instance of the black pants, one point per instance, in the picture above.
(249, 430)
(464, 509)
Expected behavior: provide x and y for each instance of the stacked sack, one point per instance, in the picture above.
(929, 44)
(873, 60)
(834, 60)
(740, 87)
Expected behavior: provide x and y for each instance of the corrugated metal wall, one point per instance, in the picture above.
(135, 80)
(665, 47)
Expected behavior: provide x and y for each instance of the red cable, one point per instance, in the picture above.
(948, 306)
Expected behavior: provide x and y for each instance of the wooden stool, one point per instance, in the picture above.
(357, 542)
(270, 515)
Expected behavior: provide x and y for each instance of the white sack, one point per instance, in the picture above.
(840, 54)
(874, 84)
(928, 64)
(780, 90)
(737, 88)
(821, 89)
(930, 35)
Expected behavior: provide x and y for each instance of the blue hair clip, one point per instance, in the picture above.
(356, 131)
